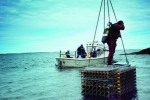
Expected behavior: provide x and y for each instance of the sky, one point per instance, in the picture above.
(53, 25)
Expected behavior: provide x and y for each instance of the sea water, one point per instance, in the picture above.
(34, 76)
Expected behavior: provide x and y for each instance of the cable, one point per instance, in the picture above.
(113, 10)
(104, 25)
(97, 23)
(124, 51)
(108, 11)
(104, 29)
(121, 36)
(104, 14)
(100, 8)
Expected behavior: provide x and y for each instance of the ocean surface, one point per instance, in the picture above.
(34, 76)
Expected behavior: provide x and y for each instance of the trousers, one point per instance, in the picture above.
(111, 46)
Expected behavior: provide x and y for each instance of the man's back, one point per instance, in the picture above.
(115, 31)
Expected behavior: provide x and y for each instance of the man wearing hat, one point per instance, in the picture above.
(112, 39)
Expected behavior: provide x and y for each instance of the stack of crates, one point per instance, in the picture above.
(125, 80)
(98, 81)
(107, 81)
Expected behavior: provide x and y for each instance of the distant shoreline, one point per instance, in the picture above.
(143, 51)
(73, 51)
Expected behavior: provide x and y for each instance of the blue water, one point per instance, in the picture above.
(33, 76)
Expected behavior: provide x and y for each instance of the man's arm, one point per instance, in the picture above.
(120, 27)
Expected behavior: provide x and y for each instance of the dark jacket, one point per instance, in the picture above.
(115, 31)
(80, 50)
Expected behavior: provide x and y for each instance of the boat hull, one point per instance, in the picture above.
(79, 62)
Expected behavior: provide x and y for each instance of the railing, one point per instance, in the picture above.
(60, 54)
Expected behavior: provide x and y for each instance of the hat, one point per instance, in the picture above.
(120, 22)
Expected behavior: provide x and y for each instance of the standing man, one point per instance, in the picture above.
(80, 51)
(112, 39)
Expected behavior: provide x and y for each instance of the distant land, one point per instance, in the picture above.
(144, 51)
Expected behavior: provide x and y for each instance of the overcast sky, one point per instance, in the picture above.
(53, 25)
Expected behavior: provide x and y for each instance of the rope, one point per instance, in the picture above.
(104, 14)
(121, 36)
(100, 8)
(113, 10)
(97, 23)
(124, 51)
(108, 11)
(104, 29)
(104, 24)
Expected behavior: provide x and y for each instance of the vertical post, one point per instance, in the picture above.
(87, 50)
(60, 54)
(104, 30)
(104, 54)
(75, 54)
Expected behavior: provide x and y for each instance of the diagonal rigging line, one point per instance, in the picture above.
(97, 22)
